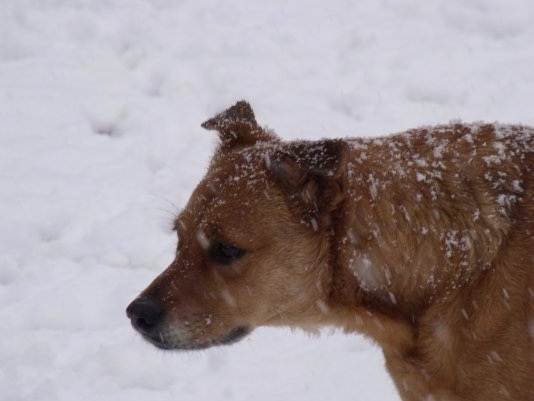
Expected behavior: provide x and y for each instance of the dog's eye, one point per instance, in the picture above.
(225, 254)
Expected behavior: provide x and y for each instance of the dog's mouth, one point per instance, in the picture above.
(171, 339)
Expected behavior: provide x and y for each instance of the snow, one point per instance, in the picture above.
(101, 104)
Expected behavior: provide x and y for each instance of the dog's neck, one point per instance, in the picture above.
(384, 271)
(403, 241)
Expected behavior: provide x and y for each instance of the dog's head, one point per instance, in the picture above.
(254, 241)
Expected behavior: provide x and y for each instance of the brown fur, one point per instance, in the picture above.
(423, 241)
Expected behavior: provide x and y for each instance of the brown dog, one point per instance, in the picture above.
(424, 241)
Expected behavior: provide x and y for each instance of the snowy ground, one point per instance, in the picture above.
(100, 144)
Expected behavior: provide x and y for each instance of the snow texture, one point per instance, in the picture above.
(100, 147)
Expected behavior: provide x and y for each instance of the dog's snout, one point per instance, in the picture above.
(145, 314)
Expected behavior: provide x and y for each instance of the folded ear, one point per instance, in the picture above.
(237, 126)
(312, 177)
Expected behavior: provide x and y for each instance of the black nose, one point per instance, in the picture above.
(145, 314)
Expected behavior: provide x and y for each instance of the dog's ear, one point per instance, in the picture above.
(312, 177)
(237, 126)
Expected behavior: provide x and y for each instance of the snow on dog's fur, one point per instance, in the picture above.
(423, 241)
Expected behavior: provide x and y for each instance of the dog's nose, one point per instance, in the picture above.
(145, 314)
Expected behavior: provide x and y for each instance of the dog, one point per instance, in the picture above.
(423, 241)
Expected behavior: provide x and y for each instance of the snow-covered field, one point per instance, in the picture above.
(100, 145)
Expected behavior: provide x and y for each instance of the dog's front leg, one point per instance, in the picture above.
(413, 381)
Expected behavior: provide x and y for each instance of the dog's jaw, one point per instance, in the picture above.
(180, 339)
